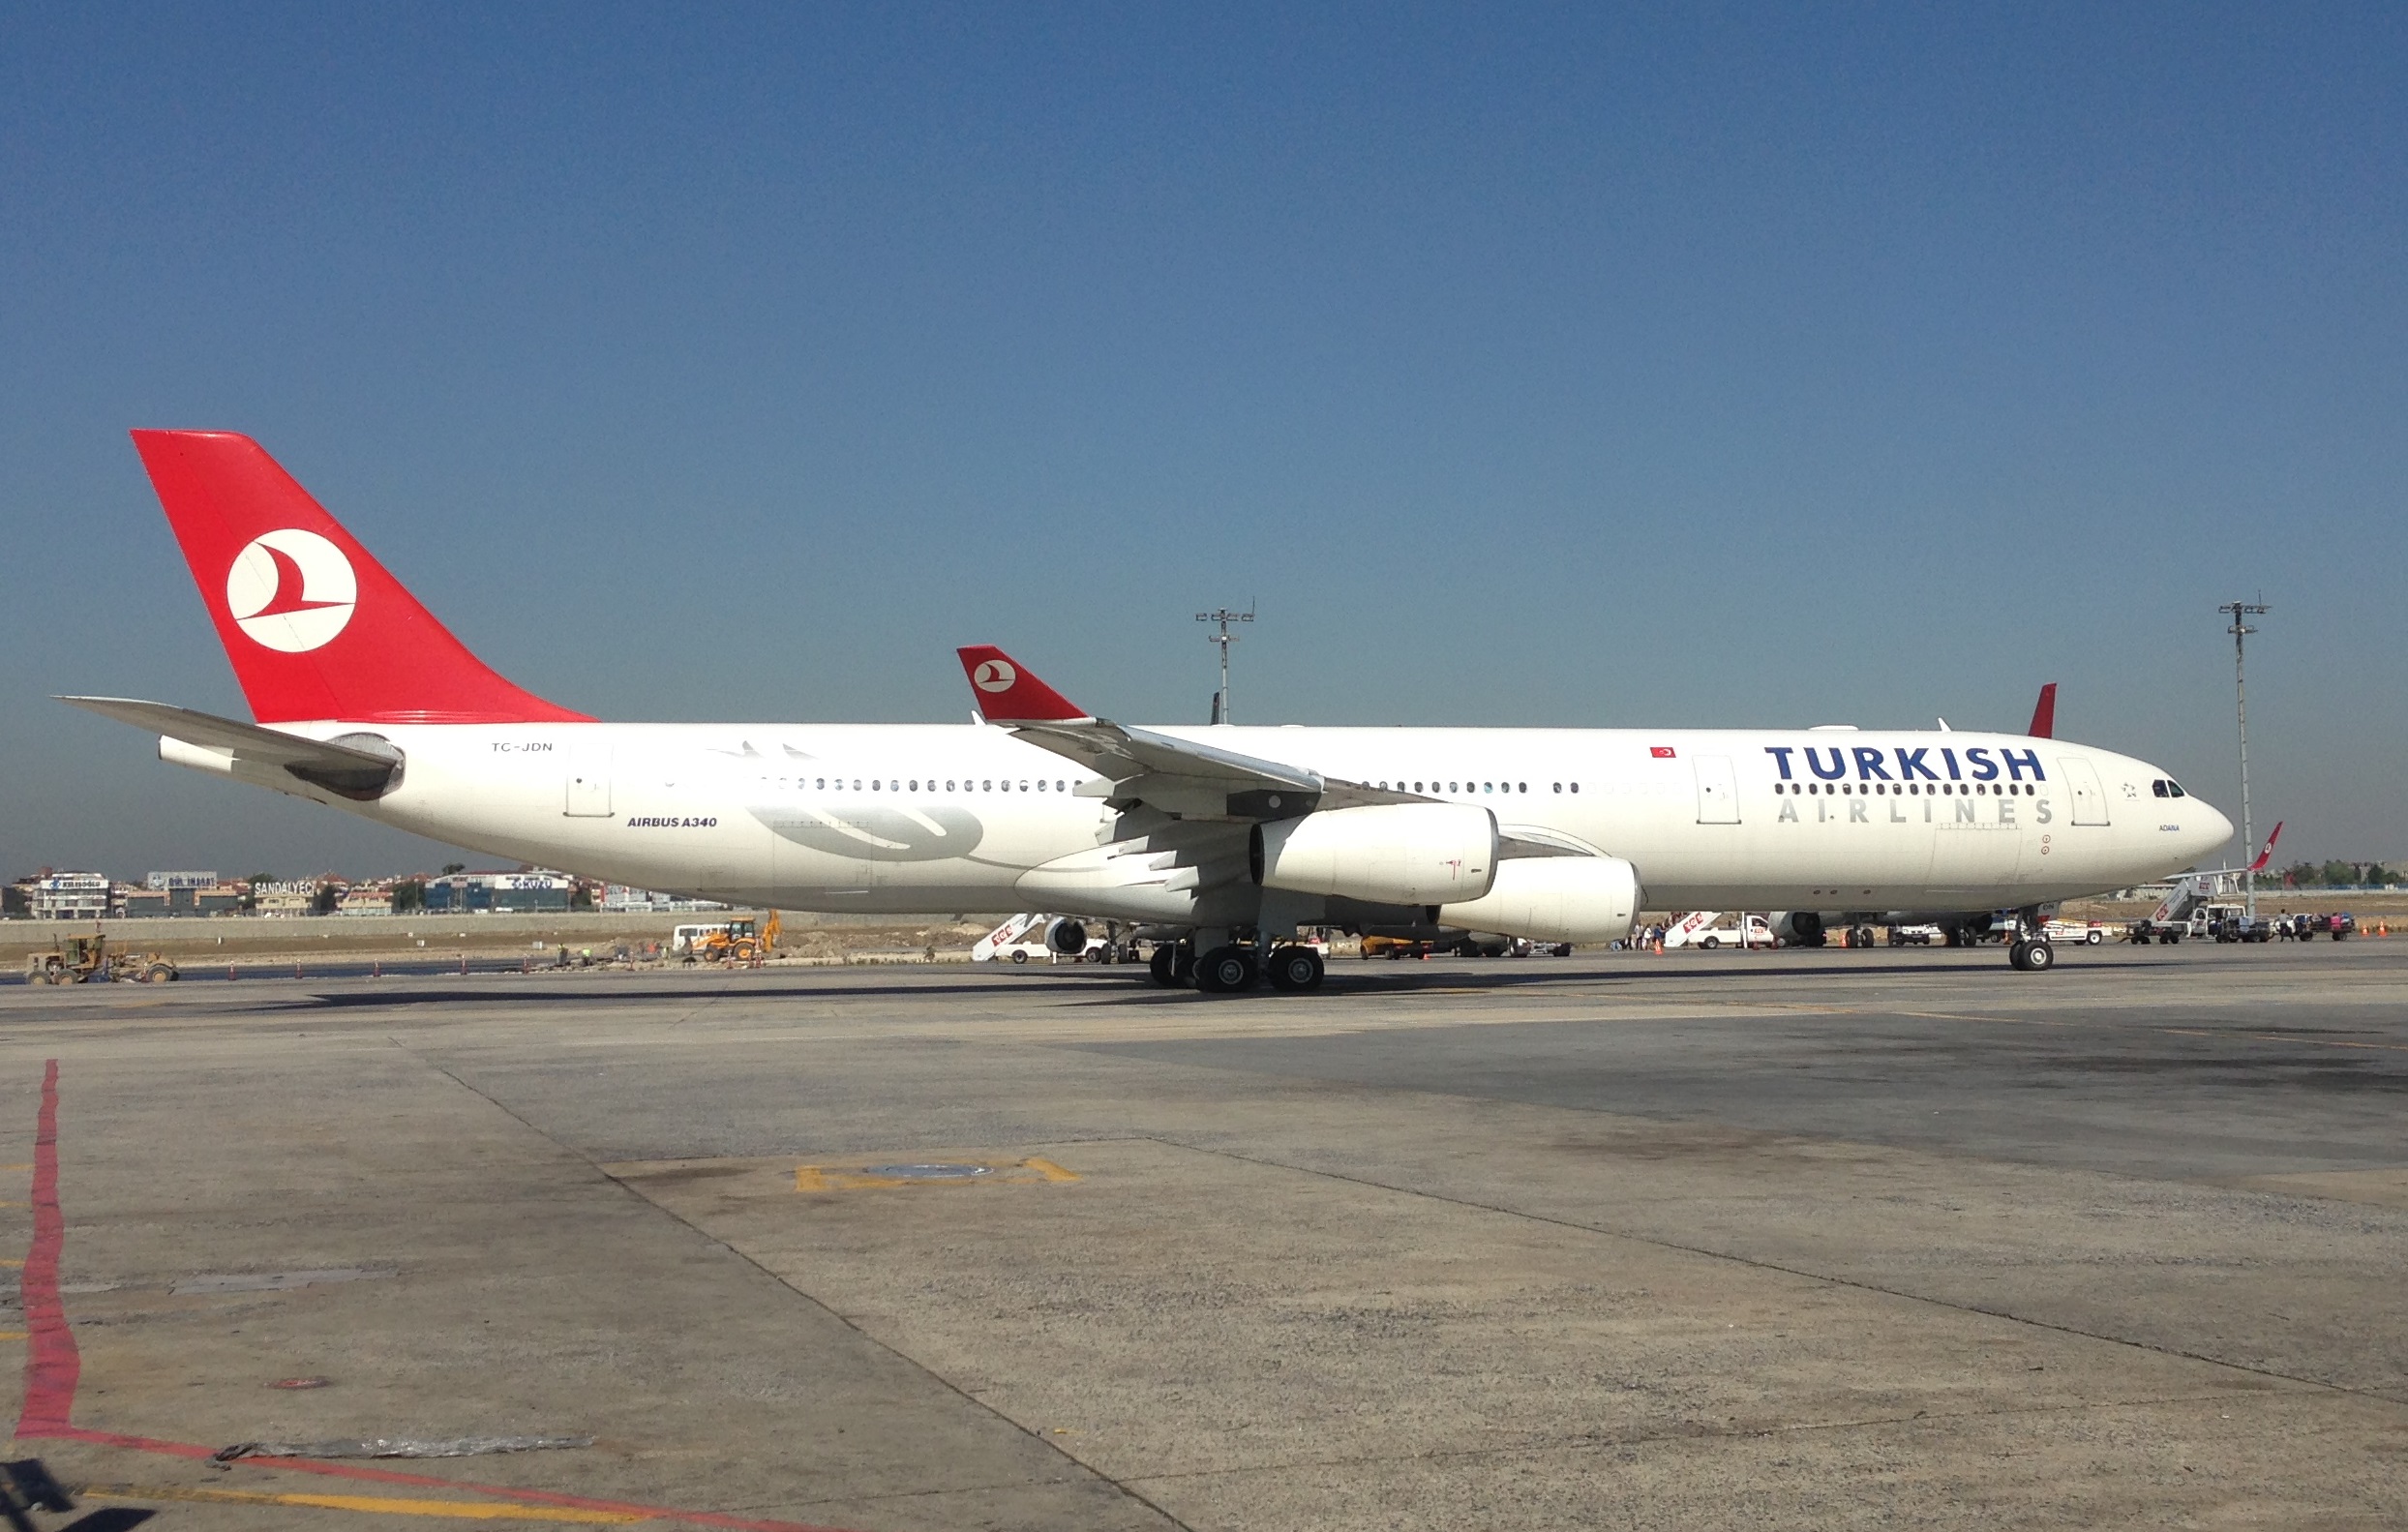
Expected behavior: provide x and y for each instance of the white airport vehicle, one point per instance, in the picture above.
(1919, 934)
(2084, 933)
(1701, 929)
(1218, 842)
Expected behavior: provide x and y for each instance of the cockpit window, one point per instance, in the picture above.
(2158, 788)
(2176, 789)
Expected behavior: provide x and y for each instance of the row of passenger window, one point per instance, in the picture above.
(924, 785)
(1464, 787)
(1937, 788)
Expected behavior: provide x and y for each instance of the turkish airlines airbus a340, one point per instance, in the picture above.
(1219, 840)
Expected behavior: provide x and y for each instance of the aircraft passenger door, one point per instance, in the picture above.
(1718, 791)
(2090, 804)
(589, 781)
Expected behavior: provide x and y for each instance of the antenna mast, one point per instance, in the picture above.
(2241, 611)
(1225, 638)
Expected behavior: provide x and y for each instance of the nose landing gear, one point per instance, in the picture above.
(2031, 955)
(2028, 951)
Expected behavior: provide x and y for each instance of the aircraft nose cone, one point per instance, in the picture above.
(2214, 831)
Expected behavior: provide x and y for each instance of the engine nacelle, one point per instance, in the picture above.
(1555, 899)
(1389, 854)
(1065, 935)
(1797, 927)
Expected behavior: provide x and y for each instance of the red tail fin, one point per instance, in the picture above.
(2268, 854)
(315, 626)
(1009, 694)
(2044, 715)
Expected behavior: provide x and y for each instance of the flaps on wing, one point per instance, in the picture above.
(358, 766)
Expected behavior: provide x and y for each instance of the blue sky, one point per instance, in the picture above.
(1711, 364)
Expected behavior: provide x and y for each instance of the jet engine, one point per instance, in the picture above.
(1065, 936)
(1409, 853)
(1797, 927)
(1555, 899)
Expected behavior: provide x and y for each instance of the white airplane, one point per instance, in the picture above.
(1218, 841)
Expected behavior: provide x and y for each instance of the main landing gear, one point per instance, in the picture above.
(1234, 969)
(1173, 964)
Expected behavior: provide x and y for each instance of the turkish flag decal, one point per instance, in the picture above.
(1661, 752)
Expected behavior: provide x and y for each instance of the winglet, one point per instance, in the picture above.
(2044, 715)
(2268, 854)
(1007, 693)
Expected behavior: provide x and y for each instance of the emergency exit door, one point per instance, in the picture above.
(1718, 791)
(589, 781)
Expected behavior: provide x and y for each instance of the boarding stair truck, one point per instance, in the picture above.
(1053, 938)
(990, 947)
(2170, 921)
(1699, 928)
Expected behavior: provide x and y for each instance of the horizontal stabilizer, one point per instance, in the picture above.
(362, 770)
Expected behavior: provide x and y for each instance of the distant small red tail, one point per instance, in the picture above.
(2044, 715)
(2268, 854)
(315, 626)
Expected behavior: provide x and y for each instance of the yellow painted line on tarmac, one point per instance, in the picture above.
(12, 1335)
(27, 1165)
(1017, 1172)
(456, 1510)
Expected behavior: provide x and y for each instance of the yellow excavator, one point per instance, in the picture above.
(740, 941)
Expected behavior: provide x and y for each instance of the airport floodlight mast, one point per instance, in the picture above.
(1225, 638)
(2241, 611)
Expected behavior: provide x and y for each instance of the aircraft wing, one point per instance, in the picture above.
(1192, 780)
(1179, 776)
(338, 768)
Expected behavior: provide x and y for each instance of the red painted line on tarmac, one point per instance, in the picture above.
(54, 1366)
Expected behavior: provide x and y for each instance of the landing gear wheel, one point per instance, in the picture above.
(1173, 965)
(1860, 936)
(2032, 957)
(1295, 970)
(1227, 971)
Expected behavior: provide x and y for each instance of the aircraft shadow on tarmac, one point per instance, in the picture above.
(1376, 981)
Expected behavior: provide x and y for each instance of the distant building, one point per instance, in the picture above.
(365, 898)
(499, 892)
(182, 893)
(617, 898)
(68, 896)
(283, 898)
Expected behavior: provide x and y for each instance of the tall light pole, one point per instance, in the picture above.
(2241, 611)
(1225, 638)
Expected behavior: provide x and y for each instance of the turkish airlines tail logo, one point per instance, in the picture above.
(291, 590)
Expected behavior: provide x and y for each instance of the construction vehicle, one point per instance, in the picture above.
(743, 940)
(83, 959)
